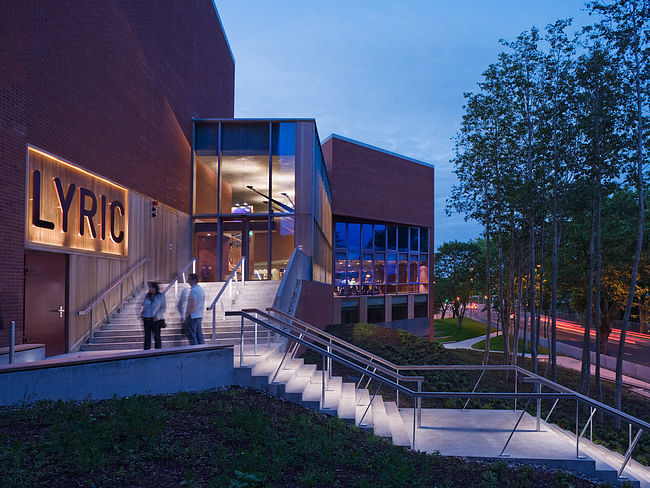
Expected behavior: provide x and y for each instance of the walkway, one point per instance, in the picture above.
(633, 384)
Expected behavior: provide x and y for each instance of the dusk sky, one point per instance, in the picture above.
(387, 73)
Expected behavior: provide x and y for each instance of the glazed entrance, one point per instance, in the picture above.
(259, 190)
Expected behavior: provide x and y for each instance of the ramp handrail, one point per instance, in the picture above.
(359, 360)
(228, 284)
(102, 297)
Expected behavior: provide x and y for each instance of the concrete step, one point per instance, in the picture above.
(398, 431)
(380, 423)
(300, 379)
(362, 410)
(347, 400)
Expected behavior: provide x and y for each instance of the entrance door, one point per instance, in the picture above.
(45, 300)
(247, 237)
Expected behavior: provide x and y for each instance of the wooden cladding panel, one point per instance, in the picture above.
(71, 208)
(163, 239)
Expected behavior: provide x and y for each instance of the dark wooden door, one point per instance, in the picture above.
(45, 300)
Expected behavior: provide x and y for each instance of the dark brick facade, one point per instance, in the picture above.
(372, 184)
(111, 86)
(375, 185)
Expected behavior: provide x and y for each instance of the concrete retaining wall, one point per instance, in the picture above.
(168, 371)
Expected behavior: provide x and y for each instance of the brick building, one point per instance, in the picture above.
(102, 120)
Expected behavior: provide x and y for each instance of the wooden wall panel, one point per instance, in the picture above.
(163, 239)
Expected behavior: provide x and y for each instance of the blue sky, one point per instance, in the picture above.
(388, 73)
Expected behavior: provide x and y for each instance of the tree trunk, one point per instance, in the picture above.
(639, 240)
(599, 387)
(502, 298)
(585, 372)
(488, 300)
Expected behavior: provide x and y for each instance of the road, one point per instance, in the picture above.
(637, 345)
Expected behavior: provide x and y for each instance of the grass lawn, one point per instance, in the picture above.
(496, 344)
(231, 438)
(448, 331)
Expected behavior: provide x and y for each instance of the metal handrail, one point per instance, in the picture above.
(289, 330)
(479, 367)
(227, 284)
(112, 287)
(102, 297)
(230, 277)
(331, 337)
(181, 274)
(335, 347)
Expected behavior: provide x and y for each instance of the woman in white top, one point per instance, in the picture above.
(153, 314)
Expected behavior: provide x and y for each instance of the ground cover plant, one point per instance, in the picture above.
(404, 348)
(227, 438)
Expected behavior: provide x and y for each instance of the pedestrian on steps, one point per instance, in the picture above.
(153, 315)
(195, 306)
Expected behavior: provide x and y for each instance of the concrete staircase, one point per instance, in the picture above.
(476, 434)
(302, 384)
(125, 330)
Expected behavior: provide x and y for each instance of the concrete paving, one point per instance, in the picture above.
(484, 433)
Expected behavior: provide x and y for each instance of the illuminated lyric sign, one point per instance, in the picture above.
(72, 208)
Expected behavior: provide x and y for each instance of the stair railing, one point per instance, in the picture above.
(373, 359)
(234, 287)
(181, 276)
(333, 352)
(317, 340)
(117, 284)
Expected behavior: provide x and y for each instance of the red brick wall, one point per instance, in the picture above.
(315, 304)
(111, 86)
(373, 185)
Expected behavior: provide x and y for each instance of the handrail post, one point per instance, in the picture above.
(108, 318)
(538, 387)
(119, 309)
(628, 453)
(329, 361)
(12, 341)
(243, 271)
(214, 325)
(90, 328)
(322, 390)
(419, 404)
(414, 410)
(397, 392)
(241, 343)
(514, 429)
(516, 385)
(577, 430)
(255, 337)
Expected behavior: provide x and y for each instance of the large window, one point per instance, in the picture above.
(365, 267)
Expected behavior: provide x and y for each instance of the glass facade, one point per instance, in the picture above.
(244, 198)
(380, 259)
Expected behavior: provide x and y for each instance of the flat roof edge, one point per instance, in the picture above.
(251, 119)
(223, 31)
(378, 149)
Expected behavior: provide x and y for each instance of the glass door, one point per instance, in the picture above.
(245, 236)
